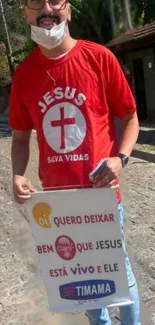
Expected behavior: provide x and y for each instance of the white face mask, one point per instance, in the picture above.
(49, 38)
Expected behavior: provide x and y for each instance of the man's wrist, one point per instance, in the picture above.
(16, 176)
(124, 159)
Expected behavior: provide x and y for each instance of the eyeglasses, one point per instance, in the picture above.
(39, 4)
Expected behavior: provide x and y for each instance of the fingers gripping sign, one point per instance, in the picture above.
(22, 189)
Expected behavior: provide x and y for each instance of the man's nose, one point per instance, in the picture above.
(47, 8)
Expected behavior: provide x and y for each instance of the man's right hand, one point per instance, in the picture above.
(22, 189)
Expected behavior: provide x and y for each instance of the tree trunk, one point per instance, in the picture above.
(7, 40)
(112, 17)
(125, 5)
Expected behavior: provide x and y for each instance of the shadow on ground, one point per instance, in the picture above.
(146, 140)
(147, 136)
(5, 131)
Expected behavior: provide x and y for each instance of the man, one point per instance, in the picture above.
(71, 91)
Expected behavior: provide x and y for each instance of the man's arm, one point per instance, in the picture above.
(122, 106)
(20, 157)
(113, 166)
(130, 134)
(20, 151)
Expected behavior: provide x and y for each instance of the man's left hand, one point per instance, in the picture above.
(110, 173)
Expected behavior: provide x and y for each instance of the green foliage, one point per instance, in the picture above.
(14, 17)
(20, 55)
(148, 10)
(90, 20)
(5, 78)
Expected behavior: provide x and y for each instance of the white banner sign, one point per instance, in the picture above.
(79, 248)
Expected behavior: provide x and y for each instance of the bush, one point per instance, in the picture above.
(5, 78)
(22, 48)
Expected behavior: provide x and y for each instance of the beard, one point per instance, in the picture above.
(48, 21)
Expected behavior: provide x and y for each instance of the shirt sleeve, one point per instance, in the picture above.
(19, 117)
(119, 96)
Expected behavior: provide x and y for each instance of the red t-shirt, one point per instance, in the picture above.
(72, 103)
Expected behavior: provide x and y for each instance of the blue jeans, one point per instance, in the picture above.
(129, 315)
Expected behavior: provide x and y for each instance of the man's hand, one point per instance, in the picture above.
(22, 189)
(110, 172)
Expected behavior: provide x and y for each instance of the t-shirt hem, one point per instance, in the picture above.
(21, 128)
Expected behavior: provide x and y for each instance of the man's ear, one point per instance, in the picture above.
(69, 12)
